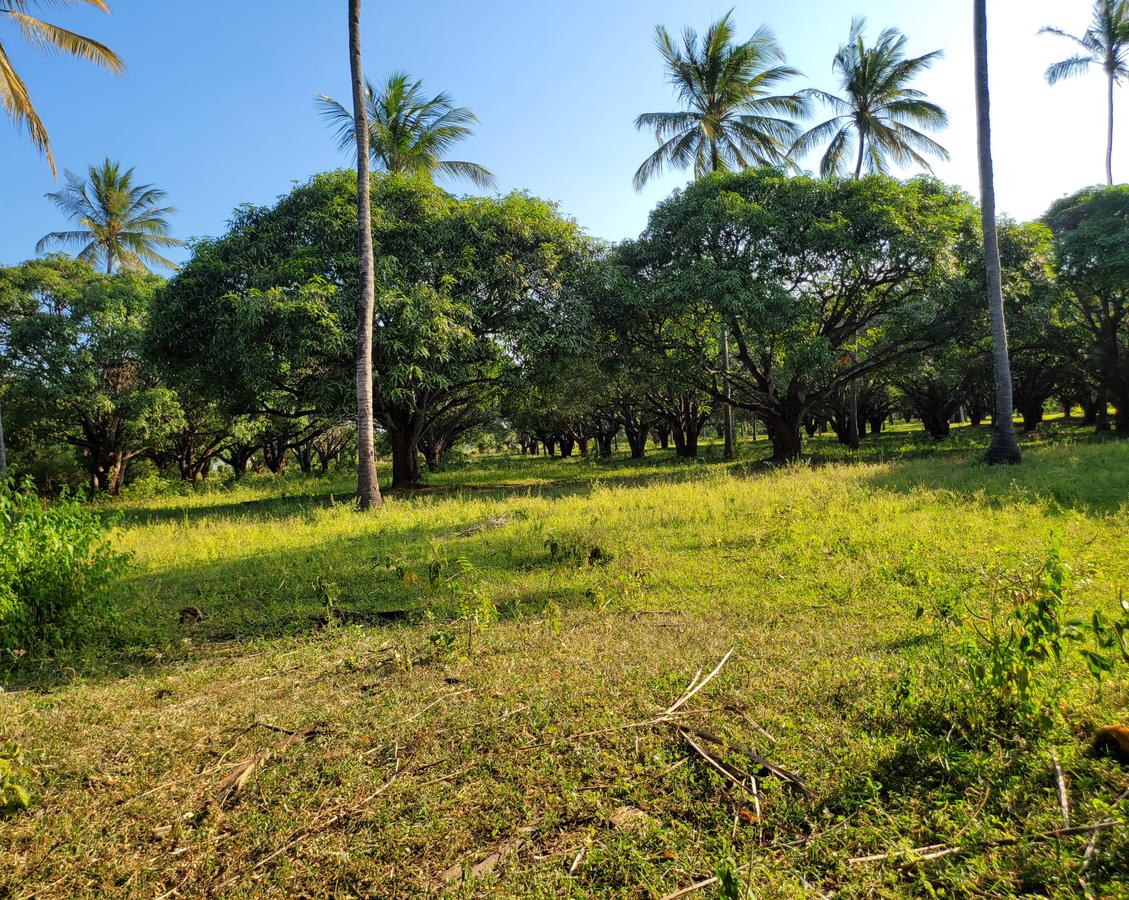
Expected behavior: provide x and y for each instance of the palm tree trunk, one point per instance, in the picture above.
(862, 151)
(853, 426)
(727, 407)
(368, 488)
(1004, 448)
(726, 393)
(1109, 141)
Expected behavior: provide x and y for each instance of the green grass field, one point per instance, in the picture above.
(475, 678)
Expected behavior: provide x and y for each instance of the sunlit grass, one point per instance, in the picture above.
(813, 572)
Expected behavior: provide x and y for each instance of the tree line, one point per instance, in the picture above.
(798, 303)
(501, 314)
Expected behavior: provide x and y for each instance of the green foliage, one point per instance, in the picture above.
(73, 357)
(818, 282)
(731, 119)
(1008, 664)
(56, 564)
(15, 779)
(1091, 234)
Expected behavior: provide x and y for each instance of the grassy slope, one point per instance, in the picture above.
(812, 574)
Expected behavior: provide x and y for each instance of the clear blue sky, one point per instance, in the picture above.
(216, 104)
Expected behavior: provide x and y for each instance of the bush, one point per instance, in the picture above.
(15, 794)
(55, 566)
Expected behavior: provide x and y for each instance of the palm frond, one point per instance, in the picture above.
(16, 100)
(1068, 68)
(473, 172)
(53, 38)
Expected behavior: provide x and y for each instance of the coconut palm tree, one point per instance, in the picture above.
(368, 487)
(14, 95)
(730, 117)
(1105, 43)
(878, 114)
(120, 223)
(408, 131)
(1004, 447)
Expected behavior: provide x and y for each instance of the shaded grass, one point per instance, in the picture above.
(812, 573)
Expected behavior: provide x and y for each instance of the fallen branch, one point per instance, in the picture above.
(1060, 787)
(696, 685)
(766, 766)
(1091, 848)
(936, 851)
(496, 522)
(241, 773)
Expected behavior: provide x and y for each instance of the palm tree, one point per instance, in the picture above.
(1004, 447)
(729, 116)
(1105, 43)
(408, 132)
(14, 96)
(878, 112)
(119, 222)
(368, 487)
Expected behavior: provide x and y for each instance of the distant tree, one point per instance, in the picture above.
(1004, 447)
(1105, 43)
(1091, 230)
(409, 132)
(878, 112)
(14, 95)
(264, 314)
(730, 117)
(795, 267)
(120, 223)
(76, 363)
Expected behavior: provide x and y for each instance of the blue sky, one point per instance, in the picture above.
(216, 104)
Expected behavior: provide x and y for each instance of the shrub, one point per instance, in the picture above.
(1007, 671)
(14, 779)
(55, 566)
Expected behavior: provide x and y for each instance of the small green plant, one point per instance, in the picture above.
(328, 593)
(564, 551)
(15, 795)
(1010, 655)
(473, 603)
(56, 564)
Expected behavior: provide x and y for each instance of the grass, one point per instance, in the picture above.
(519, 756)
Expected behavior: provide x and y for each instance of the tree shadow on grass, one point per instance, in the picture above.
(295, 592)
(581, 482)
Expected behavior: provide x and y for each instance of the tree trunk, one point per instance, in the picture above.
(1004, 447)
(405, 459)
(663, 433)
(1109, 140)
(305, 456)
(368, 488)
(786, 441)
(604, 442)
(1032, 415)
(862, 149)
(730, 450)
(567, 446)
